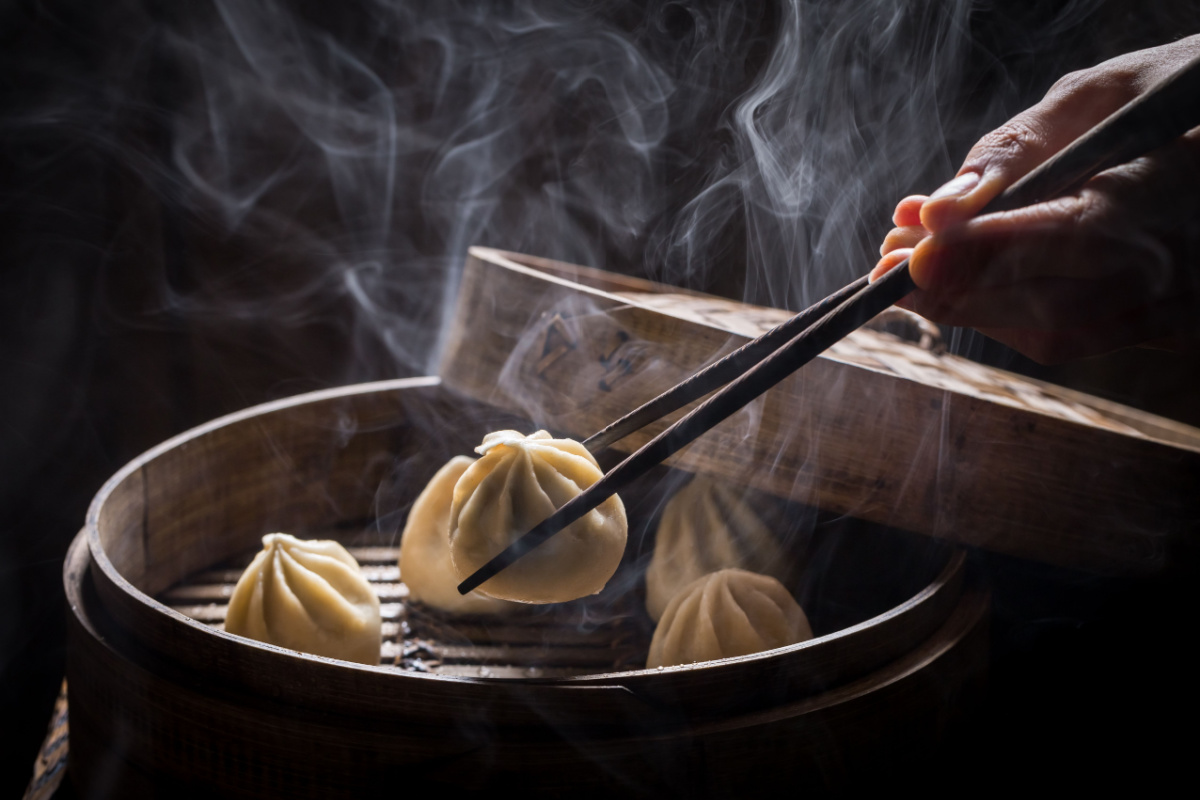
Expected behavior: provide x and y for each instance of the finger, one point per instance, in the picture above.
(959, 199)
(908, 211)
(902, 238)
(1072, 106)
(1082, 237)
(889, 262)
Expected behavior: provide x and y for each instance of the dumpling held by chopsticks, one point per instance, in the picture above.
(518, 482)
(425, 549)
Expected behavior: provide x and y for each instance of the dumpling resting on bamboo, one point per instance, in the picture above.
(707, 526)
(307, 595)
(425, 548)
(724, 614)
(518, 482)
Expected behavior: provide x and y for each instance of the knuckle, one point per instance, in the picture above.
(1111, 83)
(1081, 214)
(1077, 81)
(1011, 141)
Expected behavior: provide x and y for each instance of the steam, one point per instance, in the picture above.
(325, 168)
(754, 151)
(330, 166)
(533, 128)
(303, 179)
(844, 119)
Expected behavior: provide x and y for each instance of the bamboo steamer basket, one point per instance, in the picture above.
(875, 427)
(163, 704)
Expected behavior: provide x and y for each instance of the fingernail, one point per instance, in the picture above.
(889, 262)
(959, 186)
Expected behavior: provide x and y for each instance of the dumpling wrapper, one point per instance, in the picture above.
(518, 482)
(425, 548)
(724, 614)
(307, 595)
(708, 526)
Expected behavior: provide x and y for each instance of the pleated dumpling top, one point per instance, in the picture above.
(307, 595)
(727, 613)
(518, 482)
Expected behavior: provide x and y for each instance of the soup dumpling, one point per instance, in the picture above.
(307, 595)
(707, 526)
(425, 548)
(727, 613)
(518, 482)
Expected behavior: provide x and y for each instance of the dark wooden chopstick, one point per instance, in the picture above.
(804, 347)
(1164, 112)
(720, 372)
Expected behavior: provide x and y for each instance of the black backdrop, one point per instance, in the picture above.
(133, 307)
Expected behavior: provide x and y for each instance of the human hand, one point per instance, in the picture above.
(1112, 265)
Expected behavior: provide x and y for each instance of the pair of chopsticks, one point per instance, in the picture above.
(1163, 113)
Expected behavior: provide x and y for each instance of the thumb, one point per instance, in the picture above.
(1075, 104)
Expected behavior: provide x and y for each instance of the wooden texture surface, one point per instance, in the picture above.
(575, 643)
(556, 641)
(161, 697)
(51, 765)
(876, 428)
(147, 727)
(331, 463)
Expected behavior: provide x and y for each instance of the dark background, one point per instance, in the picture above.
(133, 305)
